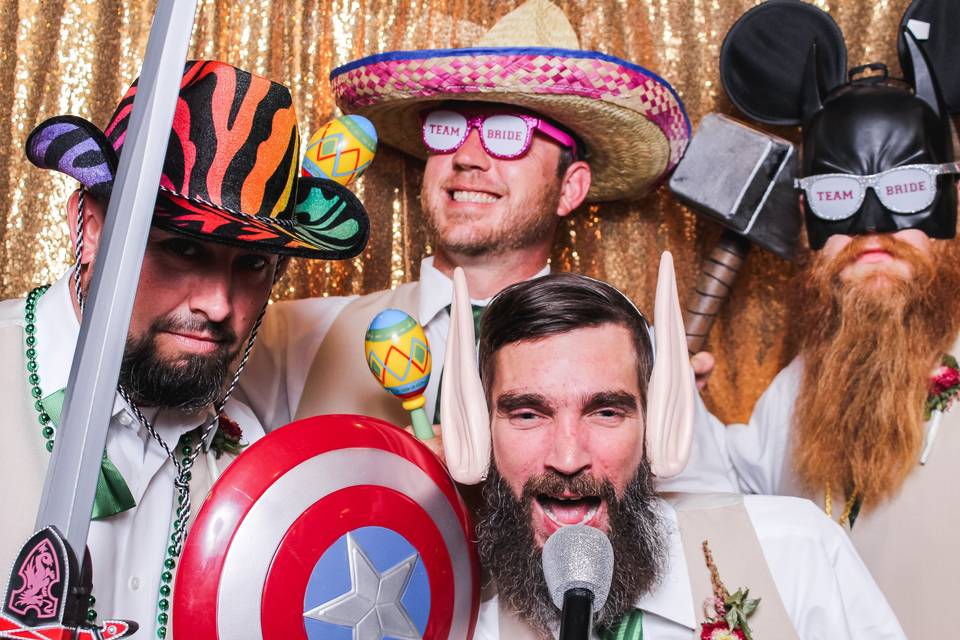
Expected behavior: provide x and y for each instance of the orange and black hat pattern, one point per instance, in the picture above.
(231, 170)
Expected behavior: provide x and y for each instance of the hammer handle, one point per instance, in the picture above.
(717, 275)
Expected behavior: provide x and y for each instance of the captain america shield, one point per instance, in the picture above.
(331, 527)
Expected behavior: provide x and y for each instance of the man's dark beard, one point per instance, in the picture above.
(187, 384)
(508, 552)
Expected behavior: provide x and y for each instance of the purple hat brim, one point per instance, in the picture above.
(76, 147)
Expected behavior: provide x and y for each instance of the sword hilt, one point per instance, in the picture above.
(47, 590)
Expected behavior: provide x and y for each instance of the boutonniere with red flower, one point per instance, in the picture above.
(944, 387)
(726, 615)
(719, 630)
(228, 438)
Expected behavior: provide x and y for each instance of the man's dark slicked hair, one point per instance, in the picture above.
(560, 303)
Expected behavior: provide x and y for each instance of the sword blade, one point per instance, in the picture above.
(72, 475)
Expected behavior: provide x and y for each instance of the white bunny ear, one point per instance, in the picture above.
(464, 417)
(670, 401)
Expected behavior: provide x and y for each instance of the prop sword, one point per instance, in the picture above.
(72, 474)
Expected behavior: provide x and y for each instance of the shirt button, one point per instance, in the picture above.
(134, 583)
(124, 419)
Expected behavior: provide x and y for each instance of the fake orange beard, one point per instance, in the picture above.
(869, 347)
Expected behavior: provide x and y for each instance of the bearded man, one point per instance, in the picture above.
(860, 421)
(576, 433)
(222, 224)
(506, 159)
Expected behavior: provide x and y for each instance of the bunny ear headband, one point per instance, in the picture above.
(465, 417)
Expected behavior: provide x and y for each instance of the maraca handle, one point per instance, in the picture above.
(421, 424)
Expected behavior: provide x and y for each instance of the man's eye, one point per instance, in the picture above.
(182, 247)
(524, 415)
(253, 262)
(609, 416)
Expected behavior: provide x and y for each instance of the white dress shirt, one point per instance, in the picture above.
(128, 549)
(758, 450)
(827, 592)
(293, 330)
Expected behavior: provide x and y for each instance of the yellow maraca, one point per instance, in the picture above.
(398, 355)
(341, 150)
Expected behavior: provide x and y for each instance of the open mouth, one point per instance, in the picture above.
(481, 197)
(567, 510)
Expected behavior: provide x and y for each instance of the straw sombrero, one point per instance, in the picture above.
(631, 121)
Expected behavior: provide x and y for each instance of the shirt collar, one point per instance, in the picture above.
(672, 598)
(436, 291)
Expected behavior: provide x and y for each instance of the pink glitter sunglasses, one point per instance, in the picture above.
(503, 135)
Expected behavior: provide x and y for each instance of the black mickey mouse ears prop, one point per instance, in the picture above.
(934, 24)
(766, 55)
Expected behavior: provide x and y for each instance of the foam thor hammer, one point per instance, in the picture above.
(743, 179)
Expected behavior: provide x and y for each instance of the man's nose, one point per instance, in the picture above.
(211, 295)
(471, 154)
(873, 217)
(568, 452)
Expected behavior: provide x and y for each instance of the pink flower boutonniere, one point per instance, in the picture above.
(719, 630)
(944, 387)
(726, 614)
(228, 438)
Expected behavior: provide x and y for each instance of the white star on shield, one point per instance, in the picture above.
(372, 607)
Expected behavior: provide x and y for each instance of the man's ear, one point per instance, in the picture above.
(574, 187)
(92, 224)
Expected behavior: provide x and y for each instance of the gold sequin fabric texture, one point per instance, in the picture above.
(79, 56)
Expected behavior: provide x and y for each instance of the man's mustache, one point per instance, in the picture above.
(898, 249)
(552, 483)
(217, 331)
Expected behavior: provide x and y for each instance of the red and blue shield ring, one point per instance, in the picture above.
(332, 527)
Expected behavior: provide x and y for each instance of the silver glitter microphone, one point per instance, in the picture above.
(578, 567)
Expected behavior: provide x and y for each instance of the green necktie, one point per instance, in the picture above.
(112, 496)
(630, 628)
(477, 315)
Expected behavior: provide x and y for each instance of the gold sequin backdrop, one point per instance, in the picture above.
(79, 56)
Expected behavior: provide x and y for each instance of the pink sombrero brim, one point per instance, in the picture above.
(631, 121)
